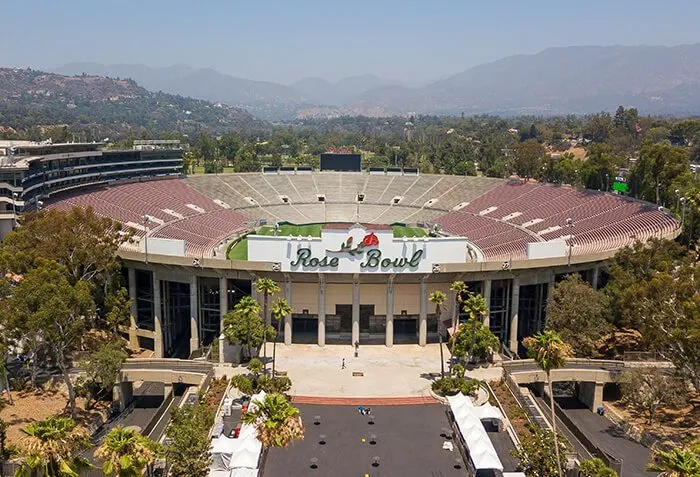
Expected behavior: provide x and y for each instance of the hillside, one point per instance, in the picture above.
(577, 79)
(264, 99)
(110, 106)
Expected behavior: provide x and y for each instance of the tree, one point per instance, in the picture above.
(475, 341)
(126, 452)
(277, 422)
(549, 352)
(243, 325)
(650, 389)
(654, 289)
(528, 158)
(84, 243)
(59, 309)
(678, 462)
(595, 467)
(102, 368)
(267, 287)
(51, 446)
(438, 299)
(5, 453)
(483, 342)
(280, 309)
(660, 170)
(187, 452)
(458, 287)
(577, 312)
(535, 454)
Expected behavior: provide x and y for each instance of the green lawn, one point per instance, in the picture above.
(403, 231)
(293, 230)
(239, 251)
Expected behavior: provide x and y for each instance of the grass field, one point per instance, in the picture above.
(403, 231)
(293, 230)
(240, 250)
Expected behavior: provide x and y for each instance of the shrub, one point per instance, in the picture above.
(450, 385)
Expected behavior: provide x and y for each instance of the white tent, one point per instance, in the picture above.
(246, 455)
(487, 411)
(468, 420)
(236, 453)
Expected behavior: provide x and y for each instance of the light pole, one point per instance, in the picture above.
(607, 182)
(146, 219)
(570, 226)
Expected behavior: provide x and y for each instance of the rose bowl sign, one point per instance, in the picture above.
(356, 249)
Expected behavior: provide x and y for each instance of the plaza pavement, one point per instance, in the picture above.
(399, 371)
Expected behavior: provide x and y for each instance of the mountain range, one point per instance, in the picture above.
(577, 79)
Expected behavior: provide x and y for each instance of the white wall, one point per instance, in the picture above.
(398, 252)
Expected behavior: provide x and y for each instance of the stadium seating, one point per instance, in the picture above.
(500, 217)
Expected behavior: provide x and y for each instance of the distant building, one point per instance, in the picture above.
(33, 171)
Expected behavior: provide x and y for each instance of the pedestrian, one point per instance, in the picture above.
(342, 364)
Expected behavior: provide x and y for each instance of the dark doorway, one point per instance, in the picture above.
(365, 312)
(304, 328)
(345, 314)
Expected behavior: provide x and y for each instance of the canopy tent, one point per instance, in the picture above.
(487, 411)
(468, 420)
(237, 453)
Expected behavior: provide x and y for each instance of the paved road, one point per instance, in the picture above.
(562, 429)
(604, 434)
(147, 399)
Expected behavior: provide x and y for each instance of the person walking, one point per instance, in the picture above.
(342, 364)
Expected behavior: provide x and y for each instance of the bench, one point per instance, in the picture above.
(280, 373)
(356, 374)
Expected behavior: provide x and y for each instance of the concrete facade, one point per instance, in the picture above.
(390, 309)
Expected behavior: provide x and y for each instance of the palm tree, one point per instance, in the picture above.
(459, 288)
(126, 452)
(52, 446)
(280, 309)
(278, 422)
(475, 307)
(438, 299)
(267, 287)
(677, 462)
(549, 352)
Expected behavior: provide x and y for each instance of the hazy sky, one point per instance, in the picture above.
(285, 40)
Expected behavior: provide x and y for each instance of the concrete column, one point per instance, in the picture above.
(389, 339)
(125, 391)
(487, 299)
(423, 316)
(158, 337)
(288, 318)
(194, 314)
(133, 337)
(594, 277)
(355, 312)
(513, 335)
(223, 300)
(591, 394)
(321, 311)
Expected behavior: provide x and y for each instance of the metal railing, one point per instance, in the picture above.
(171, 364)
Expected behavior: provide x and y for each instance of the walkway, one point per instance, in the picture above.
(603, 432)
(399, 371)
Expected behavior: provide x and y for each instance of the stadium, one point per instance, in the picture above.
(356, 253)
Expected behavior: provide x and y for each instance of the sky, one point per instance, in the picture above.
(413, 41)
